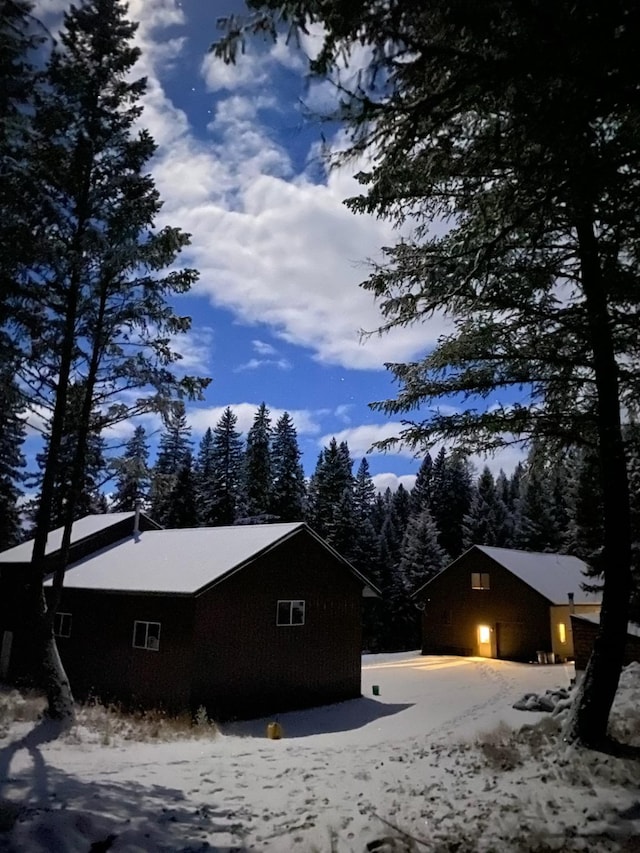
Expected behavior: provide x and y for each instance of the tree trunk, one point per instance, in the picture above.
(45, 661)
(60, 704)
(55, 680)
(590, 715)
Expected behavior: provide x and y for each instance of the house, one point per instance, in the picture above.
(88, 535)
(585, 628)
(503, 603)
(242, 620)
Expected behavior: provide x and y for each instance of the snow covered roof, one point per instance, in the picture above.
(84, 527)
(179, 561)
(552, 575)
(633, 628)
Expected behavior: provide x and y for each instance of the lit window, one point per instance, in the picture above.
(484, 634)
(480, 580)
(562, 632)
(146, 635)
(62, 624)
(290, 612)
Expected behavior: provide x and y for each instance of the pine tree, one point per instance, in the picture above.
(12, 461)
(132, 474)
(402, 508)
(204, 480)
(174, 449)
(451, 492)
(422, 558)
(21, 203)
(421, 491)
(181, 504)
(82, 498)
(258, 482)
(390, 630)
(228, 470)
(329, 489)
(94, 280)
(365, 538)
(288, 491)
(507, 537)
(539, 512)
(486, 522)
(585, 537)
(364, 491)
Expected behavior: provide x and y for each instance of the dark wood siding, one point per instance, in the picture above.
(247, 665)
(100, 659)
(15, 576)
(517, 615)
(223, 648)
(584, 635)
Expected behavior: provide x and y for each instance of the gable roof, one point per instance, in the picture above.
(184, 562)
(552, 575)
(83, 528)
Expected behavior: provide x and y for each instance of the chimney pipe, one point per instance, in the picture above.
(572, 607)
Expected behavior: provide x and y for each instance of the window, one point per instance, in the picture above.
(146, 635)
(484, 634)
(562, 632)
(480, 580)
(62, 625)
(290, 613)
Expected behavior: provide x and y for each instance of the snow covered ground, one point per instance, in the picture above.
(431, 763)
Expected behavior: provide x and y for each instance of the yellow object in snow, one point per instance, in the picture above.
(274, 731)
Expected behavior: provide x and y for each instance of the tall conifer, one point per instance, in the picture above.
(132, 474)
(258, 475)
(288, 491)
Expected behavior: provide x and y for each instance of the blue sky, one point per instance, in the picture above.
(277, 312)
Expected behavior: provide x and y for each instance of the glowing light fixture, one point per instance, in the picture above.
(484, 634)
(562, 632)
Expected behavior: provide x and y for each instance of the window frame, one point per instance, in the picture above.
(60, 619)
(155, 640)
(483, 580)
(293, 603)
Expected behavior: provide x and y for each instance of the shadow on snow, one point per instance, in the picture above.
(340, 717)
(43, 809)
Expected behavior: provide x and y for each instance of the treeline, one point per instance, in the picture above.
(550, 502)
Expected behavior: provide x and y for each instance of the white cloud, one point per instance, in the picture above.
(36, 419)
(155, 15)
(382, 482)
(506, 459)
(263, 348)
(43, 8)
(201, 418)
(249, 69)
(195, 348)
(290, 256)
(360, 439)
(271, 247)
(287, 56)
(342, 412)
(118, 434)
(257, 363)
